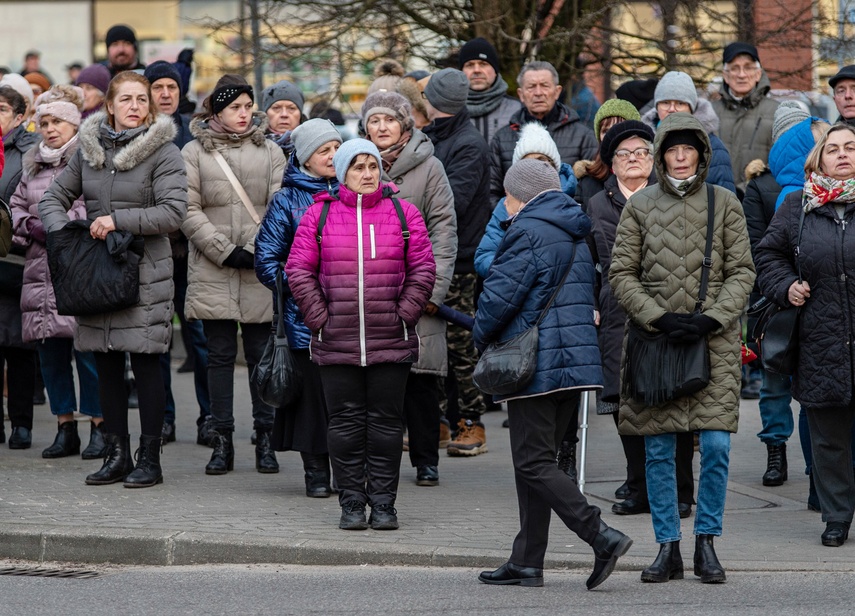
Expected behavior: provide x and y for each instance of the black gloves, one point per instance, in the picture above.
(240, 259)
(686, 327)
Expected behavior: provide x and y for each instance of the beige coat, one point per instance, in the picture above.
(218, 222)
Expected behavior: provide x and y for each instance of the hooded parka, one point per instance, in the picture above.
(217, 221)
(656, 268)
(136, 176)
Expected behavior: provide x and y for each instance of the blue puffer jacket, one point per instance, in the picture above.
(493, 235)
(529, 264)
(787, 158)
(276, 234)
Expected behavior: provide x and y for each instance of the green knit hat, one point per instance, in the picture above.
(615, 107)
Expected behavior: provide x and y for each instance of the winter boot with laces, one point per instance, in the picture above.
(567, 460)
(776, 465)
(471, 439)
(117, 461)
(353, 516)
(147, 472)
(384, 517)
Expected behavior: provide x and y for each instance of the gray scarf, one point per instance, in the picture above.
(482, 103)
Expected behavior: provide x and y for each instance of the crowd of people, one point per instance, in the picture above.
(455, 197)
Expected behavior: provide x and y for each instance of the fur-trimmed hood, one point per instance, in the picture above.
(208, 139)
(134, 145)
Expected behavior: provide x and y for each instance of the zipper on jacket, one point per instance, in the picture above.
(406, 333)
(321, 335)
(373, 250)
(360, 282)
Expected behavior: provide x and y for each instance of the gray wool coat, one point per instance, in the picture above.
(138, 178)
(421, 180)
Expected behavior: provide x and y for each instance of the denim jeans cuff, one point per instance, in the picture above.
(714, 533)
(669, 539)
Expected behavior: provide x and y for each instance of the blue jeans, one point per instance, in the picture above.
(661, 471)
(55, 356)
(775, 411)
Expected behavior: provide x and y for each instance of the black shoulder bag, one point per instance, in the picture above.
(777, 328)
(508, 367)
(658, 370)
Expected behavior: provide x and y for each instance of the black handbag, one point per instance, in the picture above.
(657, 369)
(92, 276)
(276, 376)
(777, 327)
(509, 366)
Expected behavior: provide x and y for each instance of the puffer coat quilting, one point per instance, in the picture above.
(656, 268)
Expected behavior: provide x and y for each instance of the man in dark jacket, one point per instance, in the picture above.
(465, 156)
(166, 92)
(122, 52)
(539, 92)
(488, 103)
(843, 86)
(745, 109)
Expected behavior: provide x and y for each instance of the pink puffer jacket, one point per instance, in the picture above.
(361, 296)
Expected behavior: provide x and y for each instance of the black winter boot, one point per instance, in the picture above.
(147, 472)
(609, 545)
(776, 465)
(265, 457)
(707, 566)
(667, 566)
(96, 447)
(117, 461)
(567, 460)
(223, 456)
(66, 443)
(317, 469)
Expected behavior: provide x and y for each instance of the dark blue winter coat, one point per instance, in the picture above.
(529, 264)
(494, 233)
(273, 243)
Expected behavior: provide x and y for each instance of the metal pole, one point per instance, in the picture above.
(257, 64)
(583, 441)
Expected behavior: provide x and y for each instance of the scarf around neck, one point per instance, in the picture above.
(52, 156)
(681, 185)
(821, 189)
(482, 103)
(391, 154)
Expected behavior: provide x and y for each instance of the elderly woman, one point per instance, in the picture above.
(302, 426)
(58, 119)
(362, 271)
(232, 172)
(408, 161)
(656, 278)
(94, 79)
(132, 178)
(818, 281)
(283, 104)
(544, 258)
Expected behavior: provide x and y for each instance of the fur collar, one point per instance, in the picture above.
(209, 140)
(131, 151)
(33, 165)
(755, 169)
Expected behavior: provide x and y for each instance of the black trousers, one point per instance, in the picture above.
(830, 438)
(537, 426)
(222, 352)
(20, 384)
(421, 410)
(366, 410)
(114, 392)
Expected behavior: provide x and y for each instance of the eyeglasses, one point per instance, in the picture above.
(639, 153)
(677, 105)
(741, 70)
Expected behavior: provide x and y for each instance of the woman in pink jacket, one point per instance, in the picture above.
(361, 270)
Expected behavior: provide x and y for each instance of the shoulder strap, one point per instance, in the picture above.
(705, 272)
(280, 303)
(557, 288)
(325, 211)
(236, 185)
(405, 230)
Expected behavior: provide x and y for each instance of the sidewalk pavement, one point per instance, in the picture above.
(469, 520)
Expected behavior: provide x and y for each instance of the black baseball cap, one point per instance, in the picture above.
(735, 49)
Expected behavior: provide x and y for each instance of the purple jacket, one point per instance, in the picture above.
(38, 303)
(360, 295)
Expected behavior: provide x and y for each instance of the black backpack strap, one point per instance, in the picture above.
(707, 266)
(405, 230)
(325, 211)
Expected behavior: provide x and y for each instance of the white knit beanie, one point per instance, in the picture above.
(535, 139)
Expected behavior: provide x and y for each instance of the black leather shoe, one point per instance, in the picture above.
(66, 443)
(223, 456)
(204, 435)
(510, 573)
(707, 566)
(630, 507)
(317, 474)
(21, 438)
(147, 472)
(167, 433)
(836, 533)
(609, 545)
(353, 516)
(685, 510)
(667, 566)
(776, 465)
(117, 461)
(97, 447)
(427, 476)
(265, 457)
(622, 492)
(383, 517)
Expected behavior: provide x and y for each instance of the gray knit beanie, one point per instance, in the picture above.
(787, 115)
(390, 103)
(281, 91)
(676, 86)
(447, 90)
(530, 177)
(349, 150)
(311, 135)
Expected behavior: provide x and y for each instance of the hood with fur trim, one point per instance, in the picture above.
(209, 139)
(754, 169)
(134, 145)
